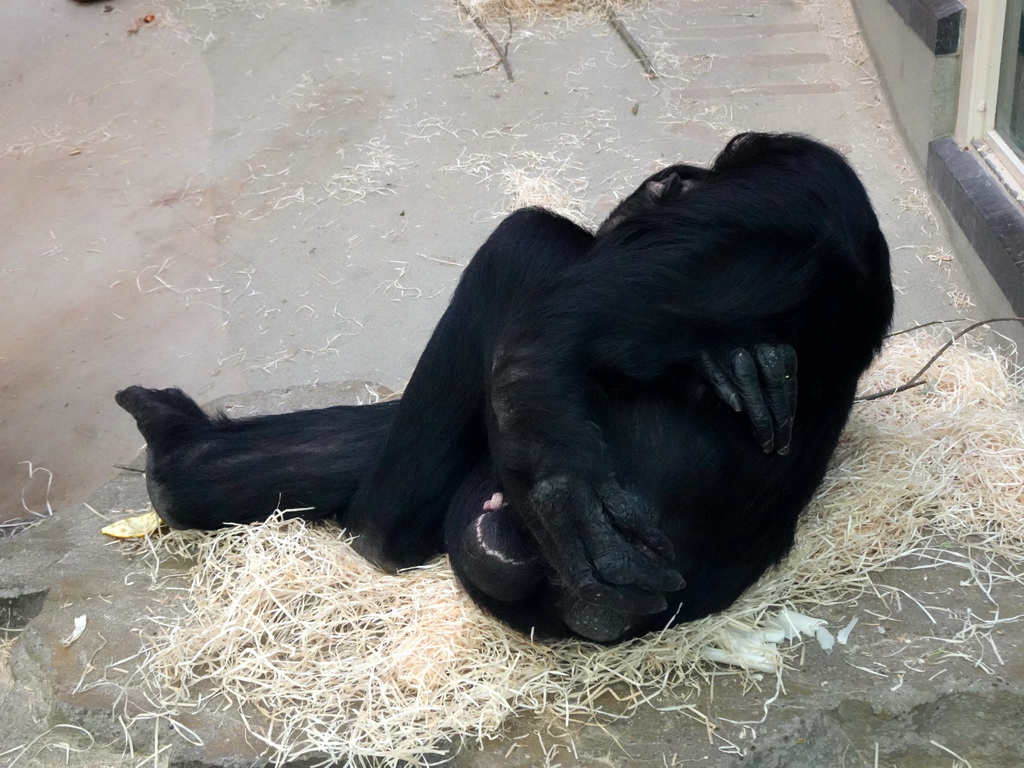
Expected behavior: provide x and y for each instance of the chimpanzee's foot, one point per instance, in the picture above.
(497, 555)
(596, 622)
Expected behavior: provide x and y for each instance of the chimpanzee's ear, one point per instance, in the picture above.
(656, 189)
(675, 186)
(666, 188)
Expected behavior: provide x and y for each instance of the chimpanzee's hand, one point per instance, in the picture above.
(764, 385)
(604, 543)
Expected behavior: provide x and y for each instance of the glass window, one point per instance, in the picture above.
(1010, 102)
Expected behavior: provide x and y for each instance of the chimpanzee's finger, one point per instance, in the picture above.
(615, 553)
(778, 372)
(748, 383)
(720, 382)
(636, 520)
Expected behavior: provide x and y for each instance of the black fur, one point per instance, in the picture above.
(571, 374)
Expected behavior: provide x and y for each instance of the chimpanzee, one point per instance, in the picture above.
(569, 435)
(205, 471)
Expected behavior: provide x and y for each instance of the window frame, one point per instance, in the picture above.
(979, 89)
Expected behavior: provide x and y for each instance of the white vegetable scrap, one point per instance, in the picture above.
(76, 633)
(793, 624)
(844, 633)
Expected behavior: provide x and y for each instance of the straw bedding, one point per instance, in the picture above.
(334, 658)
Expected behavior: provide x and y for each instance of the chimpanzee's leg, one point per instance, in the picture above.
(439, 431)
(204, 471)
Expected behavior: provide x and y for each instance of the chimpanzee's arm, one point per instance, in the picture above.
(603, 541)
(639, 312)
(760, 381)
(438, 431)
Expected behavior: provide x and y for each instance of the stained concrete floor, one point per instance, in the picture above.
(253, 195)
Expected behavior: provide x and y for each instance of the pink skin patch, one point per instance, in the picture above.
(497, 501)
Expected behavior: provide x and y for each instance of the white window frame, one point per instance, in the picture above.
(979, 88)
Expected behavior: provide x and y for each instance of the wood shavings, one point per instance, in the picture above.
(372, 175)
(530, 179)
(355, 665)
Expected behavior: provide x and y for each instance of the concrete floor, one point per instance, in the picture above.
(247, 195)
(252, 195)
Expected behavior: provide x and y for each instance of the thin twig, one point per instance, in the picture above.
(915, 380)
(892, 391)
(634, 46)
(502, 53)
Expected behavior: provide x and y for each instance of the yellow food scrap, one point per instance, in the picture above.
(134, 527)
